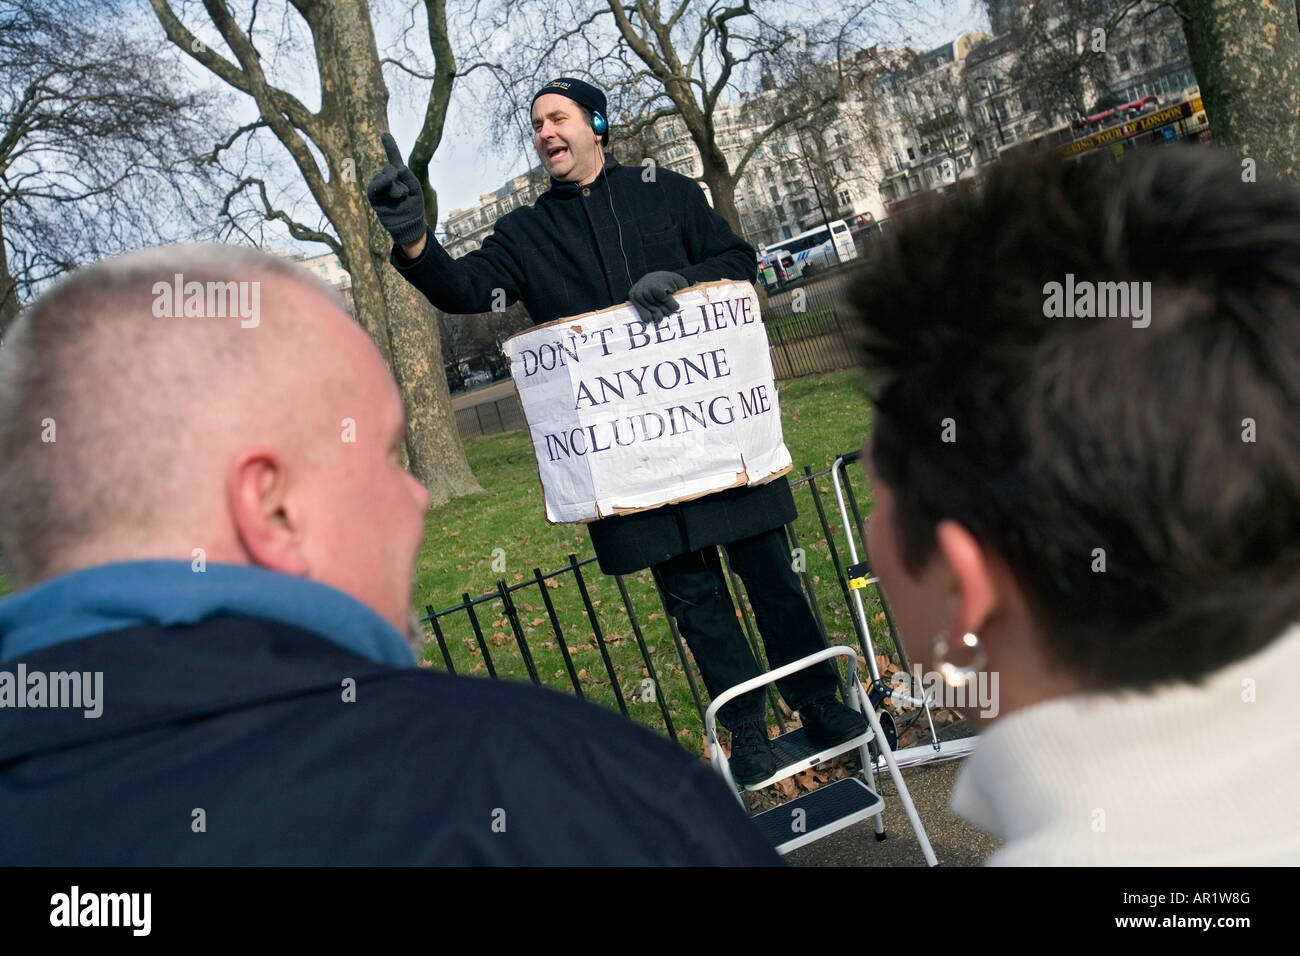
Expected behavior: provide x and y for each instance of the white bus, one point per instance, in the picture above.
(812, 251)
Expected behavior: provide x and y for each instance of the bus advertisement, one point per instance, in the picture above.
(1140, 123)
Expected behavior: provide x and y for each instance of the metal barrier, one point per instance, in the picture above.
(462, 647)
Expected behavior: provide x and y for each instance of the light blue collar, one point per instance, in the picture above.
(113, 597)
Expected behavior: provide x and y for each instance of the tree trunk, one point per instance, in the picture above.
(722, 184)
(406, 323)
(346, 131)
(8, 288)
(1247, 59)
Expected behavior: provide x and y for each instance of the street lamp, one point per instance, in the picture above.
(825, 221)
(988, 89)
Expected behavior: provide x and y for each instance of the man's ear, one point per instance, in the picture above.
(972, 584)
(258, 495)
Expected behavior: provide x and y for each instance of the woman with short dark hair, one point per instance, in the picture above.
(1086, 467)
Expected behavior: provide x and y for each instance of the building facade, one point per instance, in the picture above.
(911, 122)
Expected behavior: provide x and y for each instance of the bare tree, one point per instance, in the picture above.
(95, 144)
(335, 148)
(681, 60)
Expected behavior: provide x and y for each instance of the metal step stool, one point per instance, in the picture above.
(811, 816)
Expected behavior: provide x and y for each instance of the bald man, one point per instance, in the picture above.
(213, 540)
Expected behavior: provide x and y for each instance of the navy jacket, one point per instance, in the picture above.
(244, 719)
(579, 249)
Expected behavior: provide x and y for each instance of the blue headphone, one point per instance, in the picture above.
(599, 125)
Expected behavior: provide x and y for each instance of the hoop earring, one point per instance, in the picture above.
(957, 676)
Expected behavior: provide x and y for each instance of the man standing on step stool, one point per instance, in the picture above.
(600, 236)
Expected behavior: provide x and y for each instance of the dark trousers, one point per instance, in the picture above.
(695, 590)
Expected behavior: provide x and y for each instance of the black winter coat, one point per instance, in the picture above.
(579, 249)
(244, 719)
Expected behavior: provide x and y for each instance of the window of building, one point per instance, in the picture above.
(1026, 103)
(779, 210)
(1121, 60)
(844, 197)
(846, 163)
(785, 232)
(839, 140)
(911, 154)
(767, 173)
(774, 193)
(830, 167)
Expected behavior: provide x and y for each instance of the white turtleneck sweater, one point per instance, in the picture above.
(1184, 775)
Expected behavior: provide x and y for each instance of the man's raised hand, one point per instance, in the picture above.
(395, 195)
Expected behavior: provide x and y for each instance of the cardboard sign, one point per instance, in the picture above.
(627, 415)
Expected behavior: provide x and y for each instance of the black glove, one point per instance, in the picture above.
(652, 295)
(396, 197)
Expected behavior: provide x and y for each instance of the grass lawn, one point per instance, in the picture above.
(822, 416)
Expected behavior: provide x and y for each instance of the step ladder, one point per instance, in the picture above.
(811, 816)
(830, 808)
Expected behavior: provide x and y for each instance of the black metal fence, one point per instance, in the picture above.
(489, 417)
(491, 634)
(807, 328)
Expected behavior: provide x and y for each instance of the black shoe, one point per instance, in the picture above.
(827, 722)
(751, 758)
